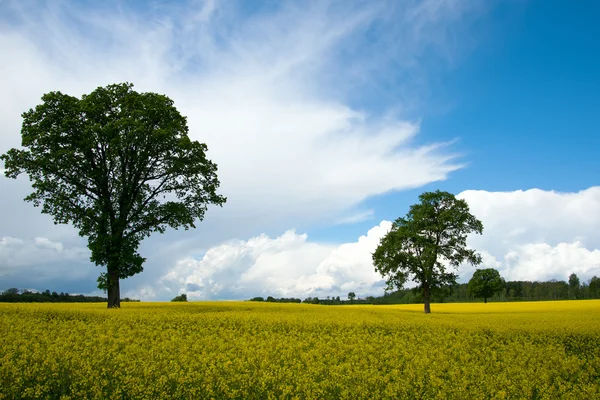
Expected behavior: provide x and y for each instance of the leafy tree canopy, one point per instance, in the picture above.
(180, 298)
(118, 165)
(421, 245)
(595, 286)
(485, 283)
(574, 286)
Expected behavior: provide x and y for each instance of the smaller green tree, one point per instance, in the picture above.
(351, 297)
(181, 298)
(485, 283)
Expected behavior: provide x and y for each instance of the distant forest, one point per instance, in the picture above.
(15, 295)
(513, 291)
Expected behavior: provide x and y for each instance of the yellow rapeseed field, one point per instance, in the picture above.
(244, 350)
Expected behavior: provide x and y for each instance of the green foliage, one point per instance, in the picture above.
(12, 296)
(351, 296)
(485, 283)
(118, 165)
(574, 286)
(512, 291)
(181, 298)
(594, 287)
(272, 299)
(432, 234)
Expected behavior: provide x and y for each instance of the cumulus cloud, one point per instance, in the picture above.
(541, 261)
(536, 234)
(285, 266)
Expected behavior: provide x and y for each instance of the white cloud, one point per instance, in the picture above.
(18, 252)
(49, 244)
(359, 216)
(43, 262)
(536, 234)
(285, 266)
(540, 261)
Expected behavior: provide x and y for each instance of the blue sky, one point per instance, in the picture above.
(327, 120)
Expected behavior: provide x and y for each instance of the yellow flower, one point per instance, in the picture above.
(297, 351)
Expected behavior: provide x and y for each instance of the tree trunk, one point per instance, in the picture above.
(485, 299)
(114, 291)
(426, 299)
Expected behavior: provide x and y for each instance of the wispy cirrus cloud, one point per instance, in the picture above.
(358, 216)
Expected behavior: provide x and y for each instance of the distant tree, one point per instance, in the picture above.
(181, 298)
(271, 299)
(432, 234)
(574, 285)
(351, 297)
(11, 291)
(594, 286)
(118, 165)
(485, 283)
(128, 300)
(259, 298)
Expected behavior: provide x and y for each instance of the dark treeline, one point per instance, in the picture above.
(15, 295)
(315, 300)
(512, 291)
(272, 299)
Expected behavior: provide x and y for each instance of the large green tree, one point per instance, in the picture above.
(118, 165)
(421, 245)
(485, 283)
